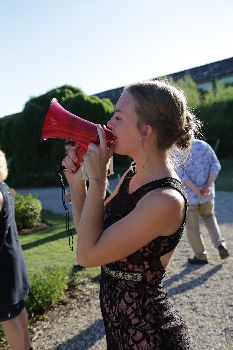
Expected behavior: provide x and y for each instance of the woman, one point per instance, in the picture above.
(14, 284)
(135, 232)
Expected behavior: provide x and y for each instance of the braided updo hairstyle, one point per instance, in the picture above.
(164, 107)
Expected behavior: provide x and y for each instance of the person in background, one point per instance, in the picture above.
(133, 234)
(198, 174)
(14, 284)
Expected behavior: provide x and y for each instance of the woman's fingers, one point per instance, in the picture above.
(102, 137)
(93, 147)
(69, 164)
(73, 154)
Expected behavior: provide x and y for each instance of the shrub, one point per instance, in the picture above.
(27, 211)
(217, 113)
(47, 288)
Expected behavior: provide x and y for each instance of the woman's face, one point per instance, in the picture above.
(124, 126)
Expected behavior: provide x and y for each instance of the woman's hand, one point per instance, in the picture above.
(72, 163)
(97, 158)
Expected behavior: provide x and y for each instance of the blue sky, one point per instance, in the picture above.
(98, 45)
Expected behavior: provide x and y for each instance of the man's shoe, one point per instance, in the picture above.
(223, 252)
(195, 260)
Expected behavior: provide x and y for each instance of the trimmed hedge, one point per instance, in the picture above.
(27, 211)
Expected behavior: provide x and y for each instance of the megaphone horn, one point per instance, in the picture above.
(62, 124)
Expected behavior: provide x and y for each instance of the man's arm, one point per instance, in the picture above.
(181, 172)
(192, 186)
(207, 189)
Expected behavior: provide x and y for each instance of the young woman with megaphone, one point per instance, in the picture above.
(133, 234)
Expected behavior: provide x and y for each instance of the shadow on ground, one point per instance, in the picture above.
(51, 238)
(85, 339)
(191, 284)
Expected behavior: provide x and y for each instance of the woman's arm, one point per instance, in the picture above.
(3, 223)
(77, 186)
(147, 221)
(1, 201)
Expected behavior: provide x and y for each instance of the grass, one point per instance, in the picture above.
(50, 248)
(224, 180)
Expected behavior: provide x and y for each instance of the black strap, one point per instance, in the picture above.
(152, 185)
(69, 233)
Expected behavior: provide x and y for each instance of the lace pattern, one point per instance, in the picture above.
(136, 313)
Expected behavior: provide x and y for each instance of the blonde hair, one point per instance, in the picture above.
(3, 166)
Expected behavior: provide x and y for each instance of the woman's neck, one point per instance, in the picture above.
(153, 167)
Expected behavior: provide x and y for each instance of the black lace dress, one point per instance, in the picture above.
(136, 313)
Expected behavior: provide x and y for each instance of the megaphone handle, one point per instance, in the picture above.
(83, 172)
(110, 167)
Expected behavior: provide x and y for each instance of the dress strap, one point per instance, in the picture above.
(167, 182)
(124, 185)
(150, 186)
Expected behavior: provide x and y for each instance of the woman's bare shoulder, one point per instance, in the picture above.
(164, 197)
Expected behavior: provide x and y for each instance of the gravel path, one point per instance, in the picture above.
(202, 295)
(51, 198)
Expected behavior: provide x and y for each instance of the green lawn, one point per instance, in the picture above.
(224, 181)
(51, 247)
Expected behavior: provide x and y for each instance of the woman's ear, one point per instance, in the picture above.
(147, 131)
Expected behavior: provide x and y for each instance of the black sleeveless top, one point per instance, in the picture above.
(14, 285)
(136, 312)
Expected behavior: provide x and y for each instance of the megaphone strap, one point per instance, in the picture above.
(69, 233)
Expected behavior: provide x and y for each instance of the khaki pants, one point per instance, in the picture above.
(207, 213)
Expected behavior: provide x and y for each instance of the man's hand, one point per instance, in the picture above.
(193, 187)
(206, 191)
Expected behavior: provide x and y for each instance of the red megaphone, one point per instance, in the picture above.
(62, 124)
